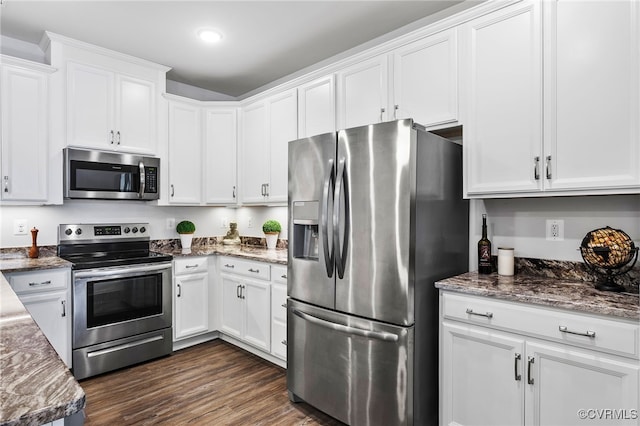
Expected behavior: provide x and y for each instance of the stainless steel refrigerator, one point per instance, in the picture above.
(376, 216)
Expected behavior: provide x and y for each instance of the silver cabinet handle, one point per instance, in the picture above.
(517, 376)
(548, 167)
(242, 292)
(379, 335)
(588, 333)
(382, 110)
(530, 361)
(173, 190)
(6, 183)
(226, 265)
(284, 342)
(64, 308)
(284, 305)
(33, 284)
(266, 186)
(179, 290)
(395, 111)
(191, 266)
(234, 192)
(486, 314)
(112, 137)
(536, 168)
(283, 276)
(238, 291)
(118, 137)
(255, 271)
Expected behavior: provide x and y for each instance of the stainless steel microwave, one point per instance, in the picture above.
(101, 175)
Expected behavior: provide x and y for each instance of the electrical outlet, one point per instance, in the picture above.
(20, 227)
(555, 229)
(171, 223)
(224, 223)
(250, 222)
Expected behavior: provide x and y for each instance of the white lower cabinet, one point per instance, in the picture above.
(191, 297)
(279, 312)
(246, 302)
(46, 294)
(495, 372)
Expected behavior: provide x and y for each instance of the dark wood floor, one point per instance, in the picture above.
(213, 383)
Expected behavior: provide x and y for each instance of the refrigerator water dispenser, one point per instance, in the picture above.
(305, 230)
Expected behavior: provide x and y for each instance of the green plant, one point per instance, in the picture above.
(271, 227)
(185, 227)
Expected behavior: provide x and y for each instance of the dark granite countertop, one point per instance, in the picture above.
(36, 387)
(558, 293)
(261, 254)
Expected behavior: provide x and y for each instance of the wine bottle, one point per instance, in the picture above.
(484, 250)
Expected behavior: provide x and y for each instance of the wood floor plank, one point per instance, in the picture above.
(214, 383)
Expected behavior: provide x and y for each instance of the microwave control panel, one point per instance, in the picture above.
(151, 179)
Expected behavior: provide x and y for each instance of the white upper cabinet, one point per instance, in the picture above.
(185, 153)
(317, 107)
(267, 128)
(363, 93)
(502, 61)
(425, 80)
(592, 86)
(107, 110)
(557, 115)
(25, 131)
(220, 144)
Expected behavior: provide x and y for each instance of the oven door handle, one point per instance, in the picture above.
(128, 270)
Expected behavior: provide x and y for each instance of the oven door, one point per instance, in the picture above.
(112, 303)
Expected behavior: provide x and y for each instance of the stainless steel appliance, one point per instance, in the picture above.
(110, 175)
(376, 216)
(121, 296)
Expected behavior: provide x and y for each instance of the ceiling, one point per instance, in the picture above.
(263, 40)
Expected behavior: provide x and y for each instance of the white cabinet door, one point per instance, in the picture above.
(255, 153)
(232, 315)
(25, 134)
(90, 107)
(482, 378)
(592, 94)
(363, 93)
(503, 96)
(185, 154)
(283, 128)
(567, 380)
(317, 107)
(135, 122)
(220, 144)
(256, 297)
(426, 80)
(279, 317)
(52, 312)
(192, 305)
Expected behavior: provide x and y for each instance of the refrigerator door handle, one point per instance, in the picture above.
(378, 335)
(329, 185)
(341, 253)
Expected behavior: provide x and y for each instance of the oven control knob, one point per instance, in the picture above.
(68, 231)
(134, 230)
(143, 229)
(126, 229)
(78, 231)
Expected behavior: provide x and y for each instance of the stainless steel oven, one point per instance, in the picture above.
(121, 296)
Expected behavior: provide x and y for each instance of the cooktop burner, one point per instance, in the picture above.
(90, 246)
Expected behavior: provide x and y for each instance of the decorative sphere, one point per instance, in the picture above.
(607, 248)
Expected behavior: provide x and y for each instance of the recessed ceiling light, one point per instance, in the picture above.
(209, 35)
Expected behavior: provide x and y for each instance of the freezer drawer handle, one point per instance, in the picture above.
(486, 314)
(379, 335)
(589, 333)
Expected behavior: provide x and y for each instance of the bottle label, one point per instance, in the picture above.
(484, 254)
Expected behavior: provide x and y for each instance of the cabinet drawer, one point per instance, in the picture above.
(189, 265)
(279, 274)
(246, 268)
(578, 329)
(279, 302)
(44, 280)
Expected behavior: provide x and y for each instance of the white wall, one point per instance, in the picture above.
(208, 220)
(520, 223)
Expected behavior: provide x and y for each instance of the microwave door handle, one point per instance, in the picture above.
(142, 179)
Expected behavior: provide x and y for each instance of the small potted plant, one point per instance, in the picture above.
(186, 230)
(271, 229)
